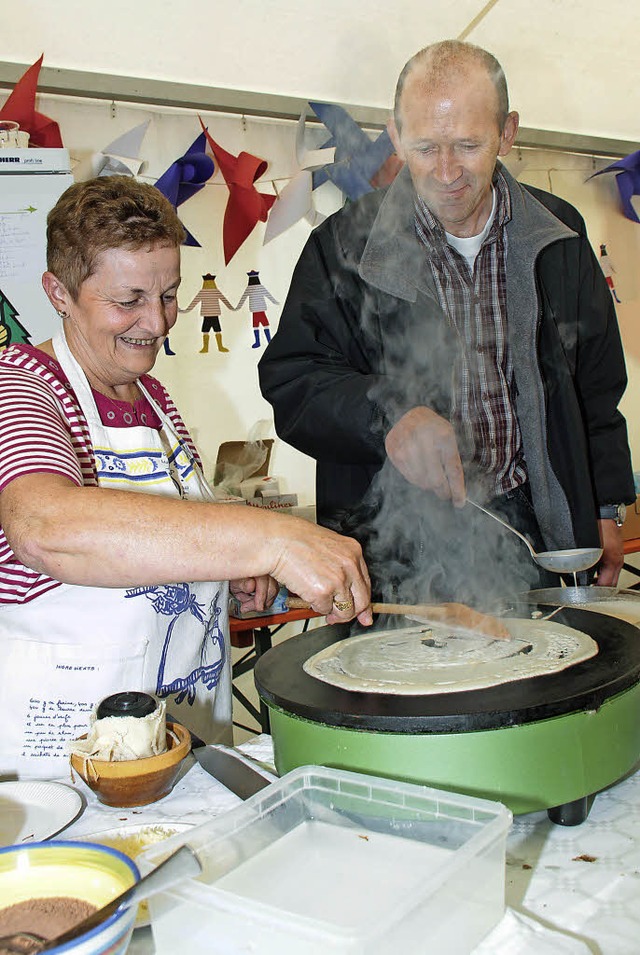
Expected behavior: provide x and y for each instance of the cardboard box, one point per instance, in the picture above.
(239, 460)
(279, 605)
(274, 502)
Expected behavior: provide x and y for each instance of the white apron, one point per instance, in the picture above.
(66, 650)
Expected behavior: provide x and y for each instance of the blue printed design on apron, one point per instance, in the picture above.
(183, 460)
(138, 466)
(176, 600)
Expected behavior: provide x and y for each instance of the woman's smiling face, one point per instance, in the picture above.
(123, 313)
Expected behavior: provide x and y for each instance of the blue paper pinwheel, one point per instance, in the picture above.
(186, 176)
(627, 172)
(357, 158)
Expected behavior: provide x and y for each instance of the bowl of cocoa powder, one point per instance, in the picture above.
(47, 888)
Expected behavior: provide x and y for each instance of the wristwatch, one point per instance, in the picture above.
(614, 512)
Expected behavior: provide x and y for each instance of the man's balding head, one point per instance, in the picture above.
(452, 122)
(438, 64)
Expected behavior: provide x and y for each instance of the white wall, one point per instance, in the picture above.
(571, 65)
(217, 393)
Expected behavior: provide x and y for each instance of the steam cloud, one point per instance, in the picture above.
(419, 548)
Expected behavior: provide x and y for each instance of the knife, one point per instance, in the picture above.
(228, 768)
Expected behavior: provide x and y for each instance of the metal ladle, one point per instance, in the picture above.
(557, 561)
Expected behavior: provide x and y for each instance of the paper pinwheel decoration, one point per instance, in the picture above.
(122, 156)
(387, 172)
(295, 202)
(246, 206)
(627, 180)
(357, 158)
(186, 176)
(21, 108)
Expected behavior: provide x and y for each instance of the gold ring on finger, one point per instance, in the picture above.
(343, 605)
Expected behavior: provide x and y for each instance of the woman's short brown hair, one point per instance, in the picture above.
(109, 212)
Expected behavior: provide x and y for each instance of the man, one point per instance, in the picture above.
(454, 336)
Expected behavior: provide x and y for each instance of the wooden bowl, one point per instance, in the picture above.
(135, 782)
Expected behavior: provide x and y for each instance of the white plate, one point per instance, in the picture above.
(33, 811)
(134, 839)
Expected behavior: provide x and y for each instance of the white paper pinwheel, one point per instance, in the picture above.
(122, 156)
(295, 202)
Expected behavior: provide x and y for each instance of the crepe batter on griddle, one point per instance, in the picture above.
(438, 658)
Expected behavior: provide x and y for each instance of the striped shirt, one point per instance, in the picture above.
(43, 430)
(257, 295)
(209, 299)
(483, 412)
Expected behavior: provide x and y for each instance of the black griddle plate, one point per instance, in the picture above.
(282, 682)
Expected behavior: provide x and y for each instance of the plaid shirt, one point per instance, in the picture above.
(483, 412)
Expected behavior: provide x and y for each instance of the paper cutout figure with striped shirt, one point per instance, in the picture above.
(210, 298)
(257, 295)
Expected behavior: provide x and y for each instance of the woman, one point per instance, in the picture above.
(102, 589)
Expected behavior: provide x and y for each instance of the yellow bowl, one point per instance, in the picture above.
(78, 870)
(136, 782)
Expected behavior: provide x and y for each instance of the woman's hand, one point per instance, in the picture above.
(254, 593)
(323, 568)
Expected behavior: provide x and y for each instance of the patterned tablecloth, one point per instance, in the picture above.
(568, 890)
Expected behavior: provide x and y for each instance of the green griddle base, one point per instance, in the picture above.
(528, 767)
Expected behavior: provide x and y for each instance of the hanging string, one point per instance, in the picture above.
(477, 19)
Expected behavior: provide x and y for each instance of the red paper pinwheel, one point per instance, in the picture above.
(246, 206)
(21, 109)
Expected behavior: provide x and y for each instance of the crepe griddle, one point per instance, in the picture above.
(545, 742)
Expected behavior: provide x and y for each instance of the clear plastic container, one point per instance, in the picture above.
(330, 861)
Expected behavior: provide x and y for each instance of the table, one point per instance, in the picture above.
(256, 634)
(568, 890)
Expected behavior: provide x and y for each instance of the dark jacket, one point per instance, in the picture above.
(362, 339)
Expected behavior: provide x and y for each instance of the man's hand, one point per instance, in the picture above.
(613, 554)
(423, 448)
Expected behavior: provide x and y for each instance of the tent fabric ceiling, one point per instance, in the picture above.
(571, 66)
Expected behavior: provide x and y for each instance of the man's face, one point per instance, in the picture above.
(450, 139)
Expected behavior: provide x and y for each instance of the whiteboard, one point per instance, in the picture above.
(25, 200)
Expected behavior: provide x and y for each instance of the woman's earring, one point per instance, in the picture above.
(61, 313)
